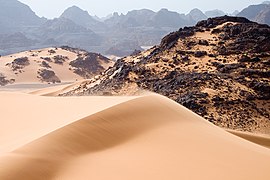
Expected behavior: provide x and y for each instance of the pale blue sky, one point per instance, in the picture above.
(53, 8)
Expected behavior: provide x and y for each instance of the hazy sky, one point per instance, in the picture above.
(53, 8)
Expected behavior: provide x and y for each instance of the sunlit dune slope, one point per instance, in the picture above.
(24, 117)
(150, 137)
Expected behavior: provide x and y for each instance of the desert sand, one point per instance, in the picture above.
(36, 66)
(146, 137)
(34, 56)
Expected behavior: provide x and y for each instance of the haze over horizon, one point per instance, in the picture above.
(102, 8)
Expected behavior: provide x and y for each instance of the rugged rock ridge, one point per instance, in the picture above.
(219, 68)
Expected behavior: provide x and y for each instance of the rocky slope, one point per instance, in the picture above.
(51, 65)
(219, 69)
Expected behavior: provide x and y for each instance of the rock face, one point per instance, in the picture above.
(48, 76)
(89, 65)
(19, 64)
(219, 69)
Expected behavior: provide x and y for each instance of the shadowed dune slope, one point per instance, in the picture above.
(149, 137)
(256, 138)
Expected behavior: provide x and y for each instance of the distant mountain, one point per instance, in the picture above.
(196, 15)
(235, 13)
(106, 17)
(266, 2)
(264, 16)
(123, 48)
(259, 13)
(166, 18)
(15, 40)
(215, 13)
(141, 28)
(83, 18)
(66, 32)
(16, 16)
(147, 18)
(117, 33)
(135, 18)
(252, 11)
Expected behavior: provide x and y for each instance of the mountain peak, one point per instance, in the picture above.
(23, 16)
(197, 15)
(75, 10)
(214, 13)
(82, 18)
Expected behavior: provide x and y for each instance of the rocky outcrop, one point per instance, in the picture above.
(4, 81)
(48, 76)
(19, 63)
(89, 65)
(218, 69)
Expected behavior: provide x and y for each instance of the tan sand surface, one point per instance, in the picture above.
(149, 137)
(260, 139)
(56, 90)
(29, 73)
(26, 117)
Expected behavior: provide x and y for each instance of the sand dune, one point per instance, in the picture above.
(149, 137)
(56, 90)
(26, 117)
(260, 139)
(50, 65)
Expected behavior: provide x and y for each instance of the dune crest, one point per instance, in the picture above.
(150, 137)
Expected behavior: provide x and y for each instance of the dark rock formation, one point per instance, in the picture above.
(89, 65)
(226, 90)
(3, 80)
(59, 59)
(19, 63)
(48, 76)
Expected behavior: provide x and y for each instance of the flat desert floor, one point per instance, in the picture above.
(120, 138)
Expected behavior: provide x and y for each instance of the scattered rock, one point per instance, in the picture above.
(48, 76)
(200, 53)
